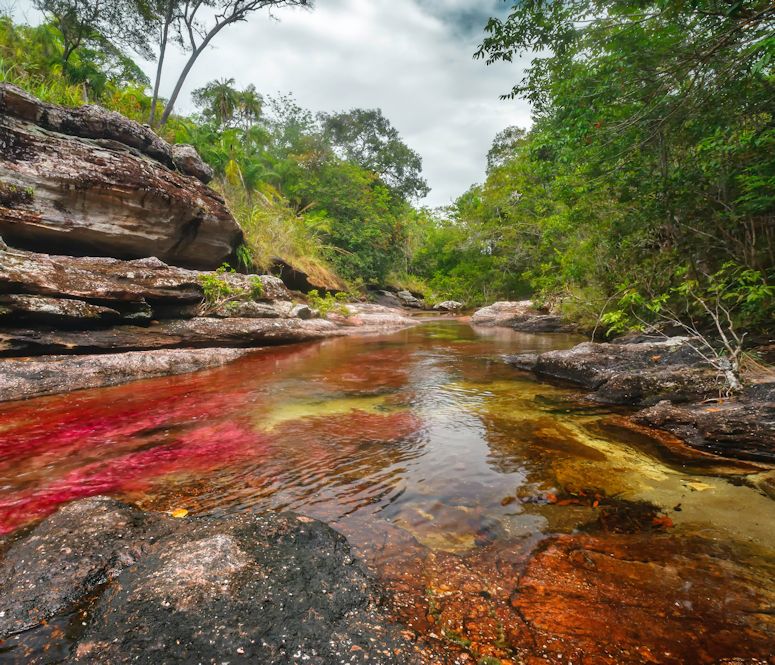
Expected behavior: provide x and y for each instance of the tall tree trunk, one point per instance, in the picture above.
(160, 66)
(182, 78)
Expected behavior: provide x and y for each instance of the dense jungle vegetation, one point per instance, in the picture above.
(645, 188)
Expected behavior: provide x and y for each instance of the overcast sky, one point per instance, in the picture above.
(412, 58)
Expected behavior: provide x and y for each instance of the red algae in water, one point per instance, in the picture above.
(200, 450)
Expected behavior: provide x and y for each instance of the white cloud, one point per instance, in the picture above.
(412, 58)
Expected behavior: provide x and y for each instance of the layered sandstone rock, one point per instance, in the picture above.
(88, 181)
(636, 374)
(123, 320)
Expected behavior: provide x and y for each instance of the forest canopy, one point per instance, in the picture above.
(649, 164)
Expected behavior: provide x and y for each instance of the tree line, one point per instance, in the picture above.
(644, 191)
(645, 188)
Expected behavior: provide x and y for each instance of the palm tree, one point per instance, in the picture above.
(219, 101)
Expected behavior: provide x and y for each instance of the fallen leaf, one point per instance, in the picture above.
(662, 521)
(179, 513)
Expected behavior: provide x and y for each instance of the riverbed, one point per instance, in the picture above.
(464, 485)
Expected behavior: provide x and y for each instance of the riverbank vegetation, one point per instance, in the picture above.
(644, 190)
(648, 176)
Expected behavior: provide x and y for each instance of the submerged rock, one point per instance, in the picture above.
(89, 181)
(642, 599)
(243, 588)
(522, 316)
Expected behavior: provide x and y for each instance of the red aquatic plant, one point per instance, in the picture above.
(200, 450)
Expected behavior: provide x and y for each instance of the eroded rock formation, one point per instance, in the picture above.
(137, 313)
(88, 181)
(683, 393)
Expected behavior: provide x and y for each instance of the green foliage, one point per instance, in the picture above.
(652, 147)
(34, 59)
(366, 137)
(738, 296)
(13, 195)
(256, 291)
(329, 304)
(218, 292)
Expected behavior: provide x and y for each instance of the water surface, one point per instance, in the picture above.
(446, 469)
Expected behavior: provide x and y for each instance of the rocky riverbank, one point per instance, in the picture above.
(114, 239)
(683, 394)
(68, 323)
(147, 588)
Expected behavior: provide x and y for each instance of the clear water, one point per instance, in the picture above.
(445, 468)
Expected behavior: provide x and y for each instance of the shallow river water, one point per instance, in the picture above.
(508, 520)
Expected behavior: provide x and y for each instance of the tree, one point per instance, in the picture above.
(165, 14)
(218, 101)
(367, 138)
(198, 22)
(125, 23)
(226, 106)
(652, 144)
(504, 146)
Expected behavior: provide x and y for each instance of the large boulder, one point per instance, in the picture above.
(297, 278)
(641, 373)
(88, 181)
(520, 315)
(245, 588)
(408, 299)
(448, 306)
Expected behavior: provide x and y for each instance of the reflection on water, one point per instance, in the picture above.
(447, 470)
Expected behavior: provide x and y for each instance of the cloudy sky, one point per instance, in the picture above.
(412, 58)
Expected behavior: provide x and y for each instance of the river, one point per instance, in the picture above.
(458, 480)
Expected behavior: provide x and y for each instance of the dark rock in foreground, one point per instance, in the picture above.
(743, 427)
(243, 588)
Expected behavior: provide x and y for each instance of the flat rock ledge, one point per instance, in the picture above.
(679, 388)
(147, 588)
(743, 427)
(48, 375)
(522, 316)
(68, 323)
(639, 374)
